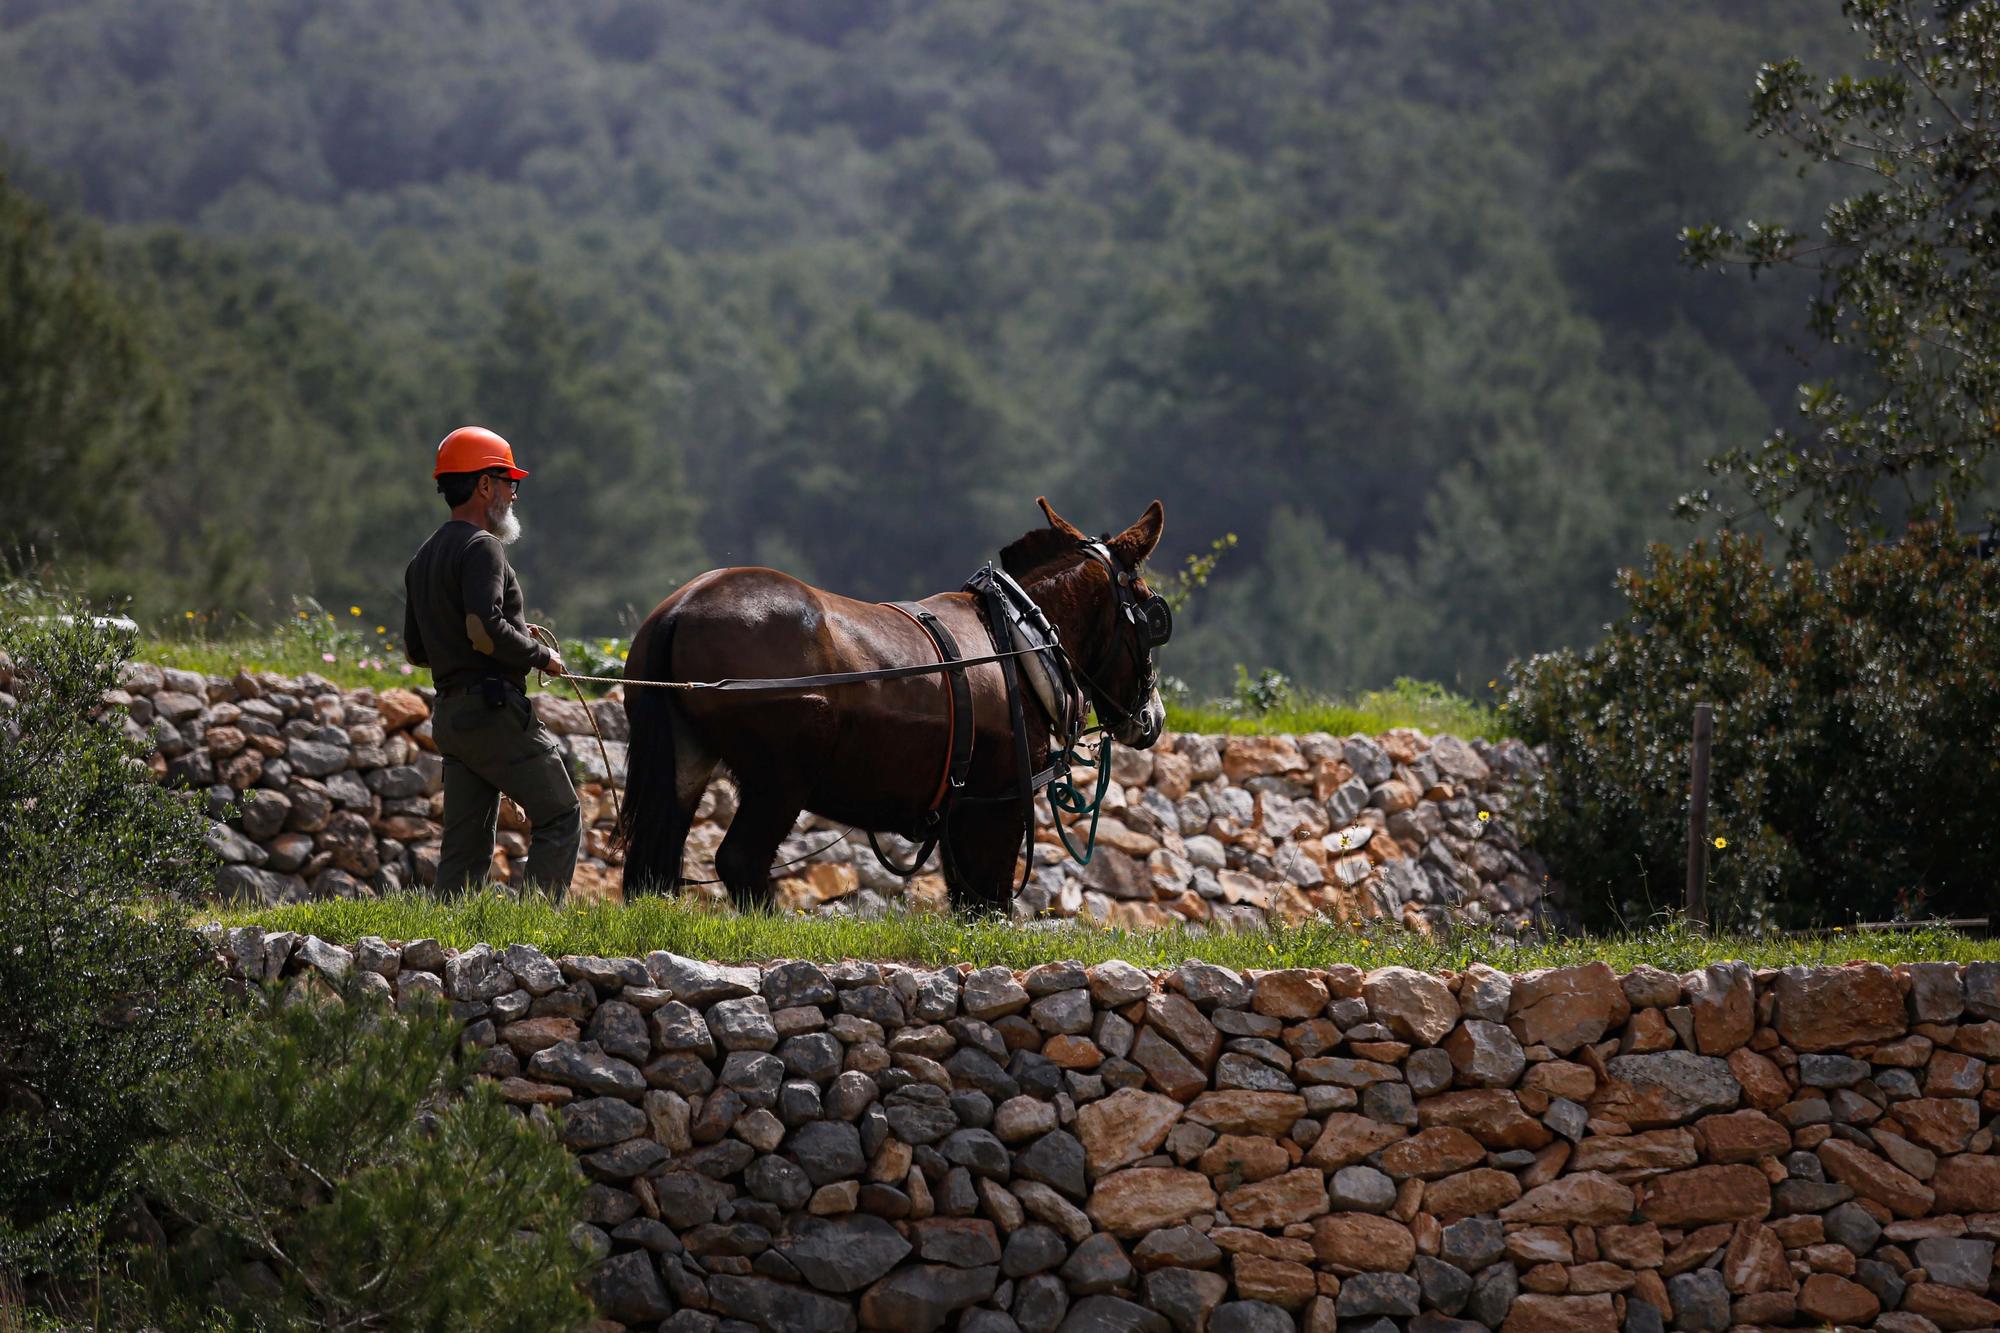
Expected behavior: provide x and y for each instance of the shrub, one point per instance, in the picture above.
(1857, 735)
(101, 981)
(346, 1170)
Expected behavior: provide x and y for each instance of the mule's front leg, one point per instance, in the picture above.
(985, 854)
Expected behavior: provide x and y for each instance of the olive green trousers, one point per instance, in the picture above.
(489, 752)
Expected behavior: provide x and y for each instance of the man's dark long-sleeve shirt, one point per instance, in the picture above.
(463, 618)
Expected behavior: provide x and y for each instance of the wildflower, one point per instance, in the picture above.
(1839, 930)
(1720, 843)
(1492, 684)
(621, 657)
(326, 657)
(408, 669)
(188, 614)
(1485, 815)
(353, 611)
(302, 615)
(381, 629)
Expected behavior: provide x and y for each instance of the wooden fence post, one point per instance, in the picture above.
(1697, 880)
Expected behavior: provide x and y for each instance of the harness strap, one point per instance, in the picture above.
(1003, 642)
(957, 704)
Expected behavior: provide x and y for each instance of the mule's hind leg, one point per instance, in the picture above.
(985, 853)
(660, 829)
(765, 812)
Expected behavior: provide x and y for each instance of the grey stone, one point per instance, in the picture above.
(1361, 1189)
(1249, 1317)
(1445, 1286)
(1691, 1084)
(329, 960)
(1379, 1293)
(742, 1024)
(578, 1065)
(619, 1030)
(979, 1152)
(921, 1297)
(991, 992)
(533, 970)
(1112, 1314)
(599, 1122)
(844, 1254)
(1389, 1103)
(1186, 1297)
(1210, 985)
(627, 1287)
(697, 983)
(1055, 1159)
(676, 1027)
(1099, 1264)
(788, 985)
(1493, 1292)
(777, 1181)
(850, 1094)
(811, 1055)
(755, 1076)
(1473, 1243)
(1831, 1071)
(1957, 1262)
(1483, 993)
(779, 1306)
(1700, 1300)
(1428, 1070)
(1040, 1302)
(829, 1150)
(1067, 1011)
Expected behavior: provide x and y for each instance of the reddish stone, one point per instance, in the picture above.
(1483, 1189)
(1431, 1154)
(1707, 1194)
(1347, 1138)
(1966, 1183)
(1588, 1198)
(1835, 1300)
(1491, 1115)
(1741, 1136)
(1363, 1243)
(1825, 1008)
(1567, 1007)
(1875, 1178)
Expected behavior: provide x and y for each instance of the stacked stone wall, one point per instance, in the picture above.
(319, 792)
(804, 1147)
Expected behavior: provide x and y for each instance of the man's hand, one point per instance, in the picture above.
(555, 666)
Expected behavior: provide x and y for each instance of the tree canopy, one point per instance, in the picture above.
(1393, 292)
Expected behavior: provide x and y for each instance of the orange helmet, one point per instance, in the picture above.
(475, 449)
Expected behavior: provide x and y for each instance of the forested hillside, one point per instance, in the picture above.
(1389, 290)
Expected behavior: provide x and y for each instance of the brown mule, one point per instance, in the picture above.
(870, 754)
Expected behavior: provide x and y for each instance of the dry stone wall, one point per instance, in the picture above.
(319, 792)
(861, 1145)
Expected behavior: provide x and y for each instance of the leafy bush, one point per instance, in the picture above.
(345, 1170)
(101, 981)
(1857, 735)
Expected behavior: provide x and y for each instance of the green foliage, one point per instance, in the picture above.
(1907, 271)
(1268, 705)
(1390, 294)
(84, 407)
(344, 1170)
(104, 982)
(1855, 735)
(631, 930)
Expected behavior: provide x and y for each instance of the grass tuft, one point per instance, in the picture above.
(613, 930)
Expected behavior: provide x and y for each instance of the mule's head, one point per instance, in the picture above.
(1116, 623)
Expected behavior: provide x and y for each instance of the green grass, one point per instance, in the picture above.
(701, 932)
(1425, 706)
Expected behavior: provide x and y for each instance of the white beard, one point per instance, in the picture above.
(506, 526)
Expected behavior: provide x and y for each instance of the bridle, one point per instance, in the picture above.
(1152, 624)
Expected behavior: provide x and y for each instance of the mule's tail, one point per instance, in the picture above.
(654, 827)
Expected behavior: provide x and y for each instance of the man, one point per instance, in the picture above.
(464, 622)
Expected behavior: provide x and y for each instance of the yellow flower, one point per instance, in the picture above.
(381, 629)
(1720, 843)
(188, 614)
(302, 615)
(1485, 815)
(622, 656)
(1839, 930)
(1492, 684)
(353, 610)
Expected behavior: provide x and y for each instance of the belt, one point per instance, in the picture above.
(478, 687)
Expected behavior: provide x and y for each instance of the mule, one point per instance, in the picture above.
(869, 755)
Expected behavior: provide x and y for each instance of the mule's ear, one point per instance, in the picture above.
(1058, 522)
(1133, 545)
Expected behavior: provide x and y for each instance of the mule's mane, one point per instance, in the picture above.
(1037, 554)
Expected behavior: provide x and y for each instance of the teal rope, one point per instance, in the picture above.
(1066, 799)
